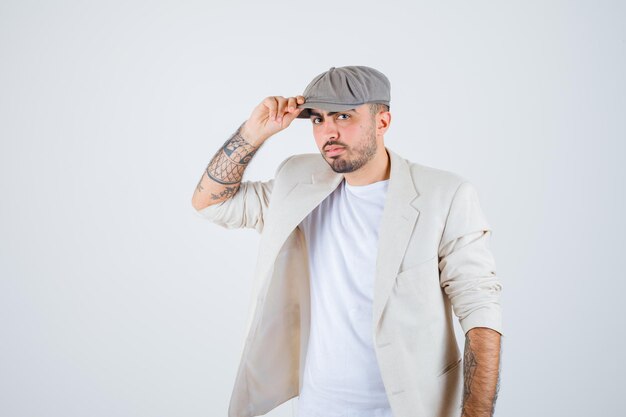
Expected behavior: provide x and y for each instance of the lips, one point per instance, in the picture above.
(332, 150)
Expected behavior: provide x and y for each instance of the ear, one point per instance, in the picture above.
(383, 120)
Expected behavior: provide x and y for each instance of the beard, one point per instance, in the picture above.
(362, 154)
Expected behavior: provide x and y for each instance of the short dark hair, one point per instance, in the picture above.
(376, 107)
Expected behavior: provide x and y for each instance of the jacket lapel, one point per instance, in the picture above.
(296, 205)
(400, 215)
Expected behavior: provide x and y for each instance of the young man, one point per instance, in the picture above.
(363, 256)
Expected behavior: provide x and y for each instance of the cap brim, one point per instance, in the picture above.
(304, 114)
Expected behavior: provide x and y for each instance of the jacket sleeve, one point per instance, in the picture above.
(467, 266)
(246, 208)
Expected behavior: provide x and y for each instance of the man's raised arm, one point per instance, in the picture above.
(222, 177)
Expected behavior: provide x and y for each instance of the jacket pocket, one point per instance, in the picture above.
(427, 267)
(450, 367)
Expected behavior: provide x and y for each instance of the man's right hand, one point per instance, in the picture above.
(272, 115)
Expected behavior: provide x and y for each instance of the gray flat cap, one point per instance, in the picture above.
(345, 88)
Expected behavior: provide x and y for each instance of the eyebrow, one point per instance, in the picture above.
(313, 113)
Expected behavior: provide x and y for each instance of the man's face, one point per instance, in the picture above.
(346, 139)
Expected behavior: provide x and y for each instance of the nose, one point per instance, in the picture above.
(329, 129)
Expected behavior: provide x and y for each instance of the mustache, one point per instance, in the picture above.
(327, 144)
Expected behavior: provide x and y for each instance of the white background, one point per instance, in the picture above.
(117, 300)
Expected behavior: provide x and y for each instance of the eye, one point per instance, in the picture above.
(314, 120)
(345, 114)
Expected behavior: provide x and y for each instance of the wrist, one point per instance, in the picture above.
(249, 137)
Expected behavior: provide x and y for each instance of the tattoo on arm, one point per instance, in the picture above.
(199, 186)
(228, 193)
(495, 397)
(482, 363)
(229, 163)
(469, 369)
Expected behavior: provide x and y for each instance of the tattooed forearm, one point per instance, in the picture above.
(229, 163)
(469, 369)
(495, 397)
(222, 177)
(481, 372)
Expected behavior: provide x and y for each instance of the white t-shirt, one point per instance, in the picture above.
(341, 375)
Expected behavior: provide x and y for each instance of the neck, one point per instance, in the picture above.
(377, 169)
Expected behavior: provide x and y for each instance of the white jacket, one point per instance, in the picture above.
(433, 259)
